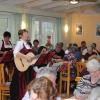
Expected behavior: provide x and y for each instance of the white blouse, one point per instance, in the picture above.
(5, 45)
(20, 45)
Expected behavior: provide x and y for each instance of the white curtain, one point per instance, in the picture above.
(16, 20)
(42, 26)
(39, 27)
(10, 22)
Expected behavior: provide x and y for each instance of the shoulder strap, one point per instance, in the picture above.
(2, 42)
(10, 43)
(2, 46)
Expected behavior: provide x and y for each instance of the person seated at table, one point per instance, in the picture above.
(42, 59)
(40, 89)
(89, 86)
(59, 52)
(83, 47)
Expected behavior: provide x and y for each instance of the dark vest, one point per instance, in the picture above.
(9, 55)
(3, 47)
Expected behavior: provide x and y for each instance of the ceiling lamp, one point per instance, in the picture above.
(74, 1)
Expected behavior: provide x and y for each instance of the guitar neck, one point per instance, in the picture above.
(36, 57)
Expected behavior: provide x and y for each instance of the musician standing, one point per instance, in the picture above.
(21, 79)
(5, 54)
(5, 44)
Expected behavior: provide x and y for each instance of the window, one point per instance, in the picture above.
(3, 26)
(42, 27)
(35, 30)
(10, 22)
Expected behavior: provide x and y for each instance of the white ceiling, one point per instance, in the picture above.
(46, 5)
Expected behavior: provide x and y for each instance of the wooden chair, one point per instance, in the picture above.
(65, 77)
(4, 88)
(77, 79)
(1, 73)
(80, 66)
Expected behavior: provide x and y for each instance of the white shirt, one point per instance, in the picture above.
(84, 51)
(20, 45)
(26, 96)
(5, 45)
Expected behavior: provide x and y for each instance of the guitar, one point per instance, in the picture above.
(22, 64)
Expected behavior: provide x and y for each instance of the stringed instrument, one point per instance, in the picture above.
(22, 64)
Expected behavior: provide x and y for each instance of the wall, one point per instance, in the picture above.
(89, 22)
(66, 36)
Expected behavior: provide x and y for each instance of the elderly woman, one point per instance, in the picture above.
(89, 85)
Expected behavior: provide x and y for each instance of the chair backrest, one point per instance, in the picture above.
(66, 73)
(80, 66)
(2, 79)
(65, 76)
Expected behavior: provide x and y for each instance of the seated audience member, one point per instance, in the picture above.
(35, 46)
(89, 53)
(77, 52)
(89, 86)
(44, 59)
(42, 51)
(59, 52)
(29, 43)
(68, 48)
(49, 44)
(83, 48)
(40, 89)
(70, 57)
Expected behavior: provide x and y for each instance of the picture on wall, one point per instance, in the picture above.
(79, 29)
(98, 30)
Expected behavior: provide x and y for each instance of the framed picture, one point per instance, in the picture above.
(79, 29)
(98, 30)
